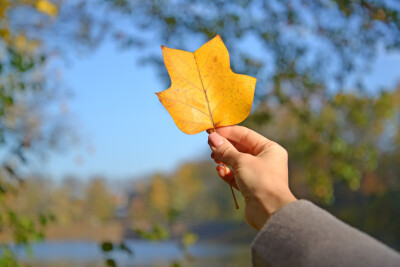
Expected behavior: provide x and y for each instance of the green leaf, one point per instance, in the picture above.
(176, 264)
(125, 248)
(111, 263)
(42, 219)
(107, 246)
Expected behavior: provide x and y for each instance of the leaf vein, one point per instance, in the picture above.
(205, 62)
(187, 104)
(217, 105)
(182, 77)
(215, 75)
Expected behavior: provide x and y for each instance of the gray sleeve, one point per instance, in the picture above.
(302, 234)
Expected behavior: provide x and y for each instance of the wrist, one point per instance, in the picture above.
(274, 200)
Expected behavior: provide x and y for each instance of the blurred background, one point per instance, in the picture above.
(94, 171)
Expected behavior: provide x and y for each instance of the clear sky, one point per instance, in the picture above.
(125, 131)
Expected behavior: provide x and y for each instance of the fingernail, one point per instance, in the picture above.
(221, 171)
(215, 139)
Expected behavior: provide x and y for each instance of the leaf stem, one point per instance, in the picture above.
(233, 194)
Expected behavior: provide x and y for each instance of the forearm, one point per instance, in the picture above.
(301, 234)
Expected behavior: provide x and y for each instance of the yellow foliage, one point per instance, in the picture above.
(22, 44)
(5, 34)
(3, 8)
(47, 8)
(188, 183)
(159, 195)
(205, 92)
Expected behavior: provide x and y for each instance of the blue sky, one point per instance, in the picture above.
(125, 132)
(124, 129)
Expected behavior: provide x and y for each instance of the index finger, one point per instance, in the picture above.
(244, 138)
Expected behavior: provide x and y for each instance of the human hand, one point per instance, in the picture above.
(259, 170)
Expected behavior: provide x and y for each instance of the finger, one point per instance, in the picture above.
(242, 148)
(244, 138)
(227, 175)
(215, 159)
(224, 150)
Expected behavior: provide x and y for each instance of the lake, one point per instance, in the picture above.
(145, 253)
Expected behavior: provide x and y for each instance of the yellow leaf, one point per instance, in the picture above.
(5, 34)
(4, 4)
(47, 7)
(22, 44)
(205, 93)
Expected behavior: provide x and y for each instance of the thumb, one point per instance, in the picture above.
(223, 149)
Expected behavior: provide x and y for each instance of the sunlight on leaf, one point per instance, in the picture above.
(46, 7)
(205, 92)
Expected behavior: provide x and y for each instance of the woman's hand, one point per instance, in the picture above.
(260, 170)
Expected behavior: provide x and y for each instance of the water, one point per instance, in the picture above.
(88, 254)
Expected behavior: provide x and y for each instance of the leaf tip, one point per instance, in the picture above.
(162, 47)
(158, 95)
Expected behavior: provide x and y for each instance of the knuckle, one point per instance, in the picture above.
(225, 152)
(282, 151)
(273, 147)
(285, 153)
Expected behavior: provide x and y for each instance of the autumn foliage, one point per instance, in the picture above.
(205, 92)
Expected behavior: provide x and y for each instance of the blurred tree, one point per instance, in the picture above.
(34, 35)
(36, 192)
(159, 198)
(341, 142)
(23, 89)
(69, 201)
(99, 201)
(139, 213)
(185, 188)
